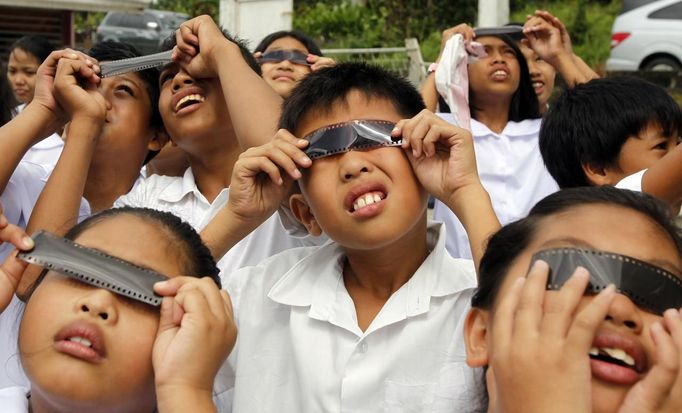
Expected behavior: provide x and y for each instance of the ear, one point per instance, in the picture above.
(159, 140)
(301, 210)
(475, 337)
(598, 175)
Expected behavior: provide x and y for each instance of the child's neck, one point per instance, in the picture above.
(493, 113)
(212, 172)
(104, 185)
(372, 276)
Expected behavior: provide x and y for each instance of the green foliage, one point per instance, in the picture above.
(192, 8)
(87, 21)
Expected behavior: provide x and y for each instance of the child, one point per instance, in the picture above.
(87, 349)
(283, 72)
(373, 319)
(620, 131)
(568, 352)
(213, 104)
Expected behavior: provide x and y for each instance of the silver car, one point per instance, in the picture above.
(647, 35)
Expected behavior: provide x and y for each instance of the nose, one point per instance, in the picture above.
(353, 165)
(181, 79)
(533, 68)
(99, 304)
(623, 313)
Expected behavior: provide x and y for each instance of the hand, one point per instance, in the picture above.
(196, 333)
(441, 154)
(319, 62)
(257, 186)
(198, 41)
(543, 38)
(554, 21)
(660, 391)
(76, 100)
(12, 269)
(540, 357)
(464, 29)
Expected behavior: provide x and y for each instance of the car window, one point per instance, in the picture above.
(114, 19)
(133, 20)
(172, 21)
(673, 12)
(633, 4)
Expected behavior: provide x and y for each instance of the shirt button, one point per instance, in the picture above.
(363, 347)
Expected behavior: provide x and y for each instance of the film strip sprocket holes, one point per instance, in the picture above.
(94, 267)
(134, 64)
(319, 149)
(650, 287)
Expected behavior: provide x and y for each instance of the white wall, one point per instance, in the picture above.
(493, 13)
(254, 19)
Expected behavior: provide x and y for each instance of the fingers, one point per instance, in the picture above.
(529, 309)
(424, 133)
(559, 310)
(587, 321)
(80, 69)
(319, 62)
(15, 235)
(503, 327)
(200, 297)
(284, 152)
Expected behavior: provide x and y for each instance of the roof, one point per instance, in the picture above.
(81, 5)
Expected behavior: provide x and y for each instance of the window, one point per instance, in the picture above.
(672, 12)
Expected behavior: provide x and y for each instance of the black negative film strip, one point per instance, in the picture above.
(134, 64)
(651, 288)
(316, 135)
(94, 267)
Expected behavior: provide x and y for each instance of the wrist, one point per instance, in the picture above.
(463, 196)
(559, 59)
(224, 52)
(171, 398)
(43, 115)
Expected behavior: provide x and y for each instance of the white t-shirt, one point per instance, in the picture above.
(14, 400)
(181, 197)
(511, 170)
(47, 151)
(300, 349)
(632, 182)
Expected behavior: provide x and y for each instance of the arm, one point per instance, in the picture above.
(442, 156)
(253, 105)
(11, 269)
(664, 179)
(256, 189)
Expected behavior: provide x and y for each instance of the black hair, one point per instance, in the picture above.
(170, 43)
(524, 103)
(320, 90)
(7, 101)
(37, 46)
(112, 50)
(512, 239)
(306, 40)
(589, 124)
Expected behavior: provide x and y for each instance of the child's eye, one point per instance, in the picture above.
(126, 89)
(662, 146)
(165, 76)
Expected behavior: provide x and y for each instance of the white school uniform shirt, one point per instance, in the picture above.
(181, 197)
(18, 199)
(14, 400)
(47, 151)
(511, 170)
(300, 349)
(632, 182)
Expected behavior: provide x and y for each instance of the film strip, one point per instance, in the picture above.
(354, 135)
(650, 287)
(134, 64)
(94, 267)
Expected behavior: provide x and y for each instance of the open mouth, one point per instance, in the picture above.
(188, 101)
(500, 75)
(617, 358)
(81, 340)
(613, 355)
(367, 199)
(538, 85)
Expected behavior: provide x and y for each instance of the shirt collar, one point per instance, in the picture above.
(316, 279)
(512, 129)
(175, 192)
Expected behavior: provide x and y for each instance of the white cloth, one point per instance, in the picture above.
(14, 400)
(18, 200)
(300, 349)
(632, 182)
(511, 170)
(47, 151)
(181, 197)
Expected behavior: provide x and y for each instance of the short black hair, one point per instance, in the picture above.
(589, 124)
(170, 43)
(37, 46)
(524, 103)
(320, 90)
(111, 50)
(306, 40)
(512, 239)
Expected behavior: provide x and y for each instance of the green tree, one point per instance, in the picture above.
(192, 8)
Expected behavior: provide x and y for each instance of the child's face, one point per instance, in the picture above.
(194, 111)
(284, 76)
(21, 73)
(542, 75)
(117, 370)
(642, 151)
(601, 227)
(127, 135)
(332, 185)
(496, 74)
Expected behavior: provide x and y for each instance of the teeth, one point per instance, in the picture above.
(81, 340)
(500, 73)
(616, 353)
(537, 84)
(194, 97)
(367, 199)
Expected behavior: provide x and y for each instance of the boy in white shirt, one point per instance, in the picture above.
(622, 131)
(373, 320)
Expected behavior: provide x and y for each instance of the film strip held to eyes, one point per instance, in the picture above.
(353, 135)
(94, 267)
(652, 288)
(134, 64)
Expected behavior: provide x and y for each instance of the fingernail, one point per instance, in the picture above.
(539, 265)
(296, 173)
(304, 160)
(395, 130)
(95, 68)
(610, 289)
(28, 242)
(160, 283)
(88, 62)
(581, 272)
(414, 153)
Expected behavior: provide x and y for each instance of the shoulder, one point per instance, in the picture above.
(148, 188)
(632, 182)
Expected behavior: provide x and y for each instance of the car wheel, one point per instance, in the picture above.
(662, 64)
